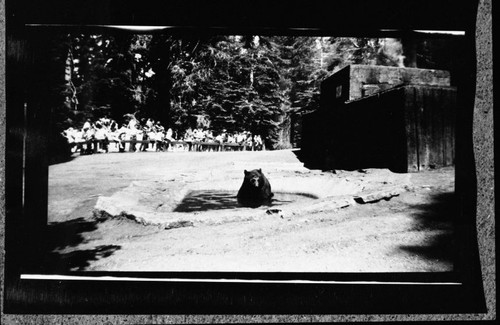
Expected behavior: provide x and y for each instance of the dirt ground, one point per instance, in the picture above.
(177, 211)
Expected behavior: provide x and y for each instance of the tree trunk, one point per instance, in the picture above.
(284, 133)
(410, 52)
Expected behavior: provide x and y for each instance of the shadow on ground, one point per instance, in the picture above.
(436, 215)
(59, 149)
(199, 201)
(60, 159)
(63, 238)
(309, 161)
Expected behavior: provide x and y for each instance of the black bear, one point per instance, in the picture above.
(255, 189)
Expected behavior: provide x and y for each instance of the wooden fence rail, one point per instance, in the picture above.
(93, 146)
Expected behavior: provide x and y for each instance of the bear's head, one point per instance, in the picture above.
(254, 177)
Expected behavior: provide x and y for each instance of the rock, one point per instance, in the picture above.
(376, 196)
(277, 212)
(409, 188)
(178, 224)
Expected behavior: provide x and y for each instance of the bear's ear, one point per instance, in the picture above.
(260, 170)
(246, 173)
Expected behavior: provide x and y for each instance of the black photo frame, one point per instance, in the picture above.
(29, 26)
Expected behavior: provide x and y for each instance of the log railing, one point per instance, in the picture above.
(93, 146)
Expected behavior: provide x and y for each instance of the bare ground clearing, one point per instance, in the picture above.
(178, 212)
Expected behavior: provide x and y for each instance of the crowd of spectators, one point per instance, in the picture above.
(105, 134)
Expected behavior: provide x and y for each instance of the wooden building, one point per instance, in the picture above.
(404, 122)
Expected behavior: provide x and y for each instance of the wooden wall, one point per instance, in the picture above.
(430, 126)
(406, 129)
(370, 133)
(367, 79)
(356, 81)
(335, 89)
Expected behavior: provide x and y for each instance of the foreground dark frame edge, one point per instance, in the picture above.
(32, 296)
